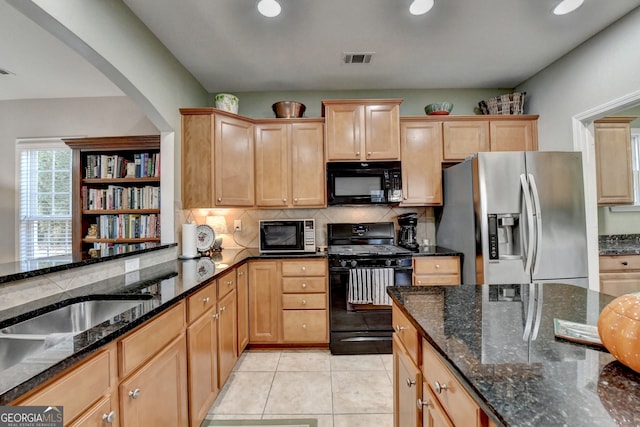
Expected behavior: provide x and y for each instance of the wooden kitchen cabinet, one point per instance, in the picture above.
(433, 414)
(464, 136)
(227, 336)
(264, 302)
(202, 352)
(156, 394)
(242, 294)
(421, 156)
(437, 270)
(619, 274)
(458, 405)
(362, 130)
(289, 164)
(407, 387)
(614, 177)
(217, 159)
(87, 392)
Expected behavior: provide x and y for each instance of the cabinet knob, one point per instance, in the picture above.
(304, 326)
(229, 283)
(219, 199)
(304, 285)
(284, 200)
(304, 302)
(410, 382)
(357, 154)
(437, 265)
(625, 263)
(295, 200)
(304, 268)
(240, 273)
(223, 309)
(216, 316)
(110, 417)
(369, 154)
(419, 282)
(420, 403)
(206, 300)
(440, 387)
(399, 328)
(134, 394)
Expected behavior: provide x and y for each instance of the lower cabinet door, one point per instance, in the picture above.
(433, 414)
(156, 394)
(104, 413)
(407, 381)
(305, 326)
(227, 336)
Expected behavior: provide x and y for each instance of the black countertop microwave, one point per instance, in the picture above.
(364, 183)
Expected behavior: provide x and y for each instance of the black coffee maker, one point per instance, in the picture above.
(407, 232)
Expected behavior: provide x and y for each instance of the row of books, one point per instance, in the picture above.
(137, 165)
(117, 197)
(107, 248)
(128, 226)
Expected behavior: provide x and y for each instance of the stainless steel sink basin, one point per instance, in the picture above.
(32, 336)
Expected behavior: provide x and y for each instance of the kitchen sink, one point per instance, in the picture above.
(34, 335)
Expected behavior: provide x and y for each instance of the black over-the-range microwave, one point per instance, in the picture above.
(363, 183)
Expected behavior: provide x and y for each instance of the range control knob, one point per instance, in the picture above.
(343, 263)
(387, 262)
(354, 263)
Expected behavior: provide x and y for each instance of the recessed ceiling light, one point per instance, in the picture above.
(566, 6)
(420, 7)
(269, 8)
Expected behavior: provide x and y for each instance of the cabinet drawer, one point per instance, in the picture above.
(305, 326)
(304, 267)
(94, 416)
(304, 284)
(226, 283)
(304, 301)
(79, 389)
(201, 301)
(460, 407)
(406, 332)
(150, 338)
(619, 262)
(436, 279)
(436, 265)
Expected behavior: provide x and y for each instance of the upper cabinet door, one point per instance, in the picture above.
(272, 165)
(421, 154)
(382, 132)
(307, 165)
(233, 162)
(197, 160)
(345, 130)
(513, 135)
(613, 160)
(465, 138)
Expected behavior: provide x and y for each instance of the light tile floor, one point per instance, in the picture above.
(339, 391)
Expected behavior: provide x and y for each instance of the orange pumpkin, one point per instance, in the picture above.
(619, 329)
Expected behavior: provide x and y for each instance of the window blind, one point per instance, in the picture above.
(45, 198)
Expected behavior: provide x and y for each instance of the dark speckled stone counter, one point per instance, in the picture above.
(478, 331)
(435, 251)
(619, 244)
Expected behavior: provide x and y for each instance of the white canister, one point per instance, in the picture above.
(227, 102)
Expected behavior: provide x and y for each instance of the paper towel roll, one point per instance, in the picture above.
(189, 249)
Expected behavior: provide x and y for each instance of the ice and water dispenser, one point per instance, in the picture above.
(504, 236)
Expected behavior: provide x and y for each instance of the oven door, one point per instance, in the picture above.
(359, 329)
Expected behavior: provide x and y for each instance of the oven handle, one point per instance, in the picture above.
(395, 268)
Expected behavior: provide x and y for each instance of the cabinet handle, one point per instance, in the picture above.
(206, 300)
(240, 273)
(419, 282)
(440, 387)
(284, 200)
(625, 263)
(110, 417)
(229, 283)
(223, 309)
(399, 328)
(304, 285)
(216, 316)
(295, 200)
(357, 154)
(437, 265)
(134, 394)
(369, 154)
(304, 302)
(304, 268)
(304, 326)
(410, 382)
(420, 403)
(219, 199)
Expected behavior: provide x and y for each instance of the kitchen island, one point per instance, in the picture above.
(539, 380)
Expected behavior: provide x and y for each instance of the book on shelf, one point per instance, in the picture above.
(105, 166)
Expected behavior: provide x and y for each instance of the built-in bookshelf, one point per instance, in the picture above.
(116, 191)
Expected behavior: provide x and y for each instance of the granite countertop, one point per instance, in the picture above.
(478, 330)
(433, 250)
(619, 244)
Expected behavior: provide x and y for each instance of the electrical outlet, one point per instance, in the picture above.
(132, 264)
(237, 224)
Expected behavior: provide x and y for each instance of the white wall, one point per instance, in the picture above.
(55, 118)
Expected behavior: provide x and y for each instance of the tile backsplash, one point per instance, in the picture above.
(248, 237)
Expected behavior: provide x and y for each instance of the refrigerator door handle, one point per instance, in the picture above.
(538, 218)
(529, 240)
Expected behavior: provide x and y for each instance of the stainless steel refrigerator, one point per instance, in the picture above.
(517, 217)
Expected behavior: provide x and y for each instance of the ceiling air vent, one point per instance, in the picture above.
(4, 72)
(358, 57)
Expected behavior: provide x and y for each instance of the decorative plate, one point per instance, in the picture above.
(205, 237)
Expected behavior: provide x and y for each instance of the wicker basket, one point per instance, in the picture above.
(512, 103)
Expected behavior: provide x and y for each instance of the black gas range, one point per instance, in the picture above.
(363, 261)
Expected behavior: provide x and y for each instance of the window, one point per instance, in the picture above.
(45, 198)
